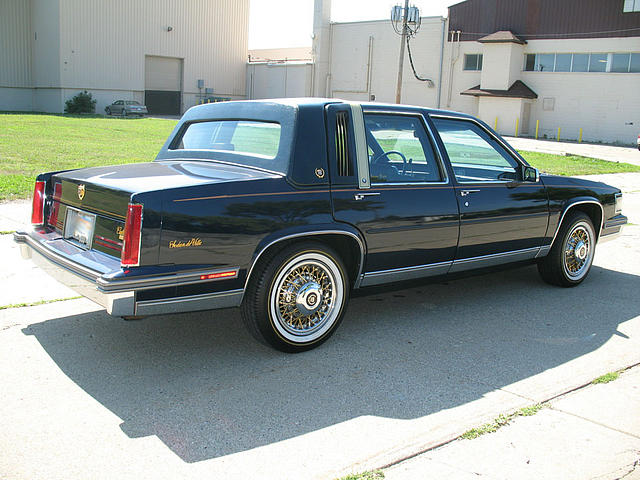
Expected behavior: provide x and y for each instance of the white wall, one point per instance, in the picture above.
(279, 80)
(501, 65)
(100, 46)
(503, 112)
(350, 44)
(605, 105)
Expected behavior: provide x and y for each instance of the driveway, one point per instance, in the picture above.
(611, 153)
(86, 395)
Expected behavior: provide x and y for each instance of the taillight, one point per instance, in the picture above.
(132, 236)
(37, 207)
(55, 207)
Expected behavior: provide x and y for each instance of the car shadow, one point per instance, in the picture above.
(204, 387)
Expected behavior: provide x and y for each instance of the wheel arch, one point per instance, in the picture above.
(349, 245)
(591, 207)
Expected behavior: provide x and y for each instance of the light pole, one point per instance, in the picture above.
(403, 38)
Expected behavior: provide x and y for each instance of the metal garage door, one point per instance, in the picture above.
(163, 85)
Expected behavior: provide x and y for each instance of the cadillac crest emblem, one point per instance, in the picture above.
(81, 191)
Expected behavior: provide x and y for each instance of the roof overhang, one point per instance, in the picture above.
(517, 90)
(503, 36)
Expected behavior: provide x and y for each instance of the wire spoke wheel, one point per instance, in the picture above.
(306, 297)
(578, 250)
(569, 261)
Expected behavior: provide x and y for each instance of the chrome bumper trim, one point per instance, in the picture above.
(119, 297)
(171, 280)
(77, 278)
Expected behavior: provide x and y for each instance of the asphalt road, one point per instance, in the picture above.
(85, 395)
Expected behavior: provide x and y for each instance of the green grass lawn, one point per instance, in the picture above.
(35, 143)
(575, 165)
(31, 144)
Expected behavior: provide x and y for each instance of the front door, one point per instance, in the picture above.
(409, 215)
(502, 217)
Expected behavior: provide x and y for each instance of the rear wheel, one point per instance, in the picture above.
(569, 261)
(297, 298)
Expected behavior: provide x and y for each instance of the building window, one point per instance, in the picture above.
(582, 62)
(474, 61)
(631, 6)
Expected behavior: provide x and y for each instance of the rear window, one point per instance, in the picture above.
(244, 137)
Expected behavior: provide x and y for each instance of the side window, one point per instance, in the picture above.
(474, 155)
(399, 150)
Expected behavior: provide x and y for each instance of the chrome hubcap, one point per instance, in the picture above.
(577, 252)
(308, 298)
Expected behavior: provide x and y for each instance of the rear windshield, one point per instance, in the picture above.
(243, 137)
(132, 102)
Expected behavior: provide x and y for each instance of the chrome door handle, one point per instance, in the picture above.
(360, 196)
(464, 193)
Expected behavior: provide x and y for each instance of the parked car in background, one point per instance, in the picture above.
(283, 207)
(638, 141)
(126, 107)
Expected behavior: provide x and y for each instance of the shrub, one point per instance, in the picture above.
(81, 103)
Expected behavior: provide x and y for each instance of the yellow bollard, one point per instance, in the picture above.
(517, 124)
(495, 124)
(580, 137)
(558, 133)
(537, 126)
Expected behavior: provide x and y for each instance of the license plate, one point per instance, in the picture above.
(79, 226)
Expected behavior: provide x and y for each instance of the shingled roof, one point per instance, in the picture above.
(517, 90)
(503, 36)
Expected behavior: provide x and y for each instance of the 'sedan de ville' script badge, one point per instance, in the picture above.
(194, 242)
(81, 191)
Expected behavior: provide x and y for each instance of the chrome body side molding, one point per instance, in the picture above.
(442, 268)
(406, 273)
(494, 259)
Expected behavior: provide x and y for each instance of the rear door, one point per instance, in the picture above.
(388, 180)
(502, 217)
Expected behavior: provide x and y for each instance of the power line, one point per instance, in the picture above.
(430, 82)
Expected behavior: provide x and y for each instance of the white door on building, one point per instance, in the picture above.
(163, 85)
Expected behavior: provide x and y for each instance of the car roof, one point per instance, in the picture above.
(322, 102)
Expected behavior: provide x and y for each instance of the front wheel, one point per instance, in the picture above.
(569, 261)
(297, 298)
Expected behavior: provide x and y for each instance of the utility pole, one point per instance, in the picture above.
(403, 39)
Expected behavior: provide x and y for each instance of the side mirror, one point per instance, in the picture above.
(530, 174)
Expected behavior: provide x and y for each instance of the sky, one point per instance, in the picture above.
(289, 23)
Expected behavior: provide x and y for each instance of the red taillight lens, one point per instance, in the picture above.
(55, 207)
(37, 207)
(132, 236)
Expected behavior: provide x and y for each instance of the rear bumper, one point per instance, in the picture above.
(119, 297)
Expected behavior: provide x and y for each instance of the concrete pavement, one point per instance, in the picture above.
(594, 150)
(592, 433)
(190, 396)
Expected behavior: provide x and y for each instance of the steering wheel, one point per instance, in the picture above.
(377, 158)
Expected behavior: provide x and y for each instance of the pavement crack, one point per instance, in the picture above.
(7, 327)
(608, 427)
(633, 466)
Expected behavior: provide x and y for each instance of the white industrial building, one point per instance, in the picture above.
(166, 53)
(572, 65)
(516, 64)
